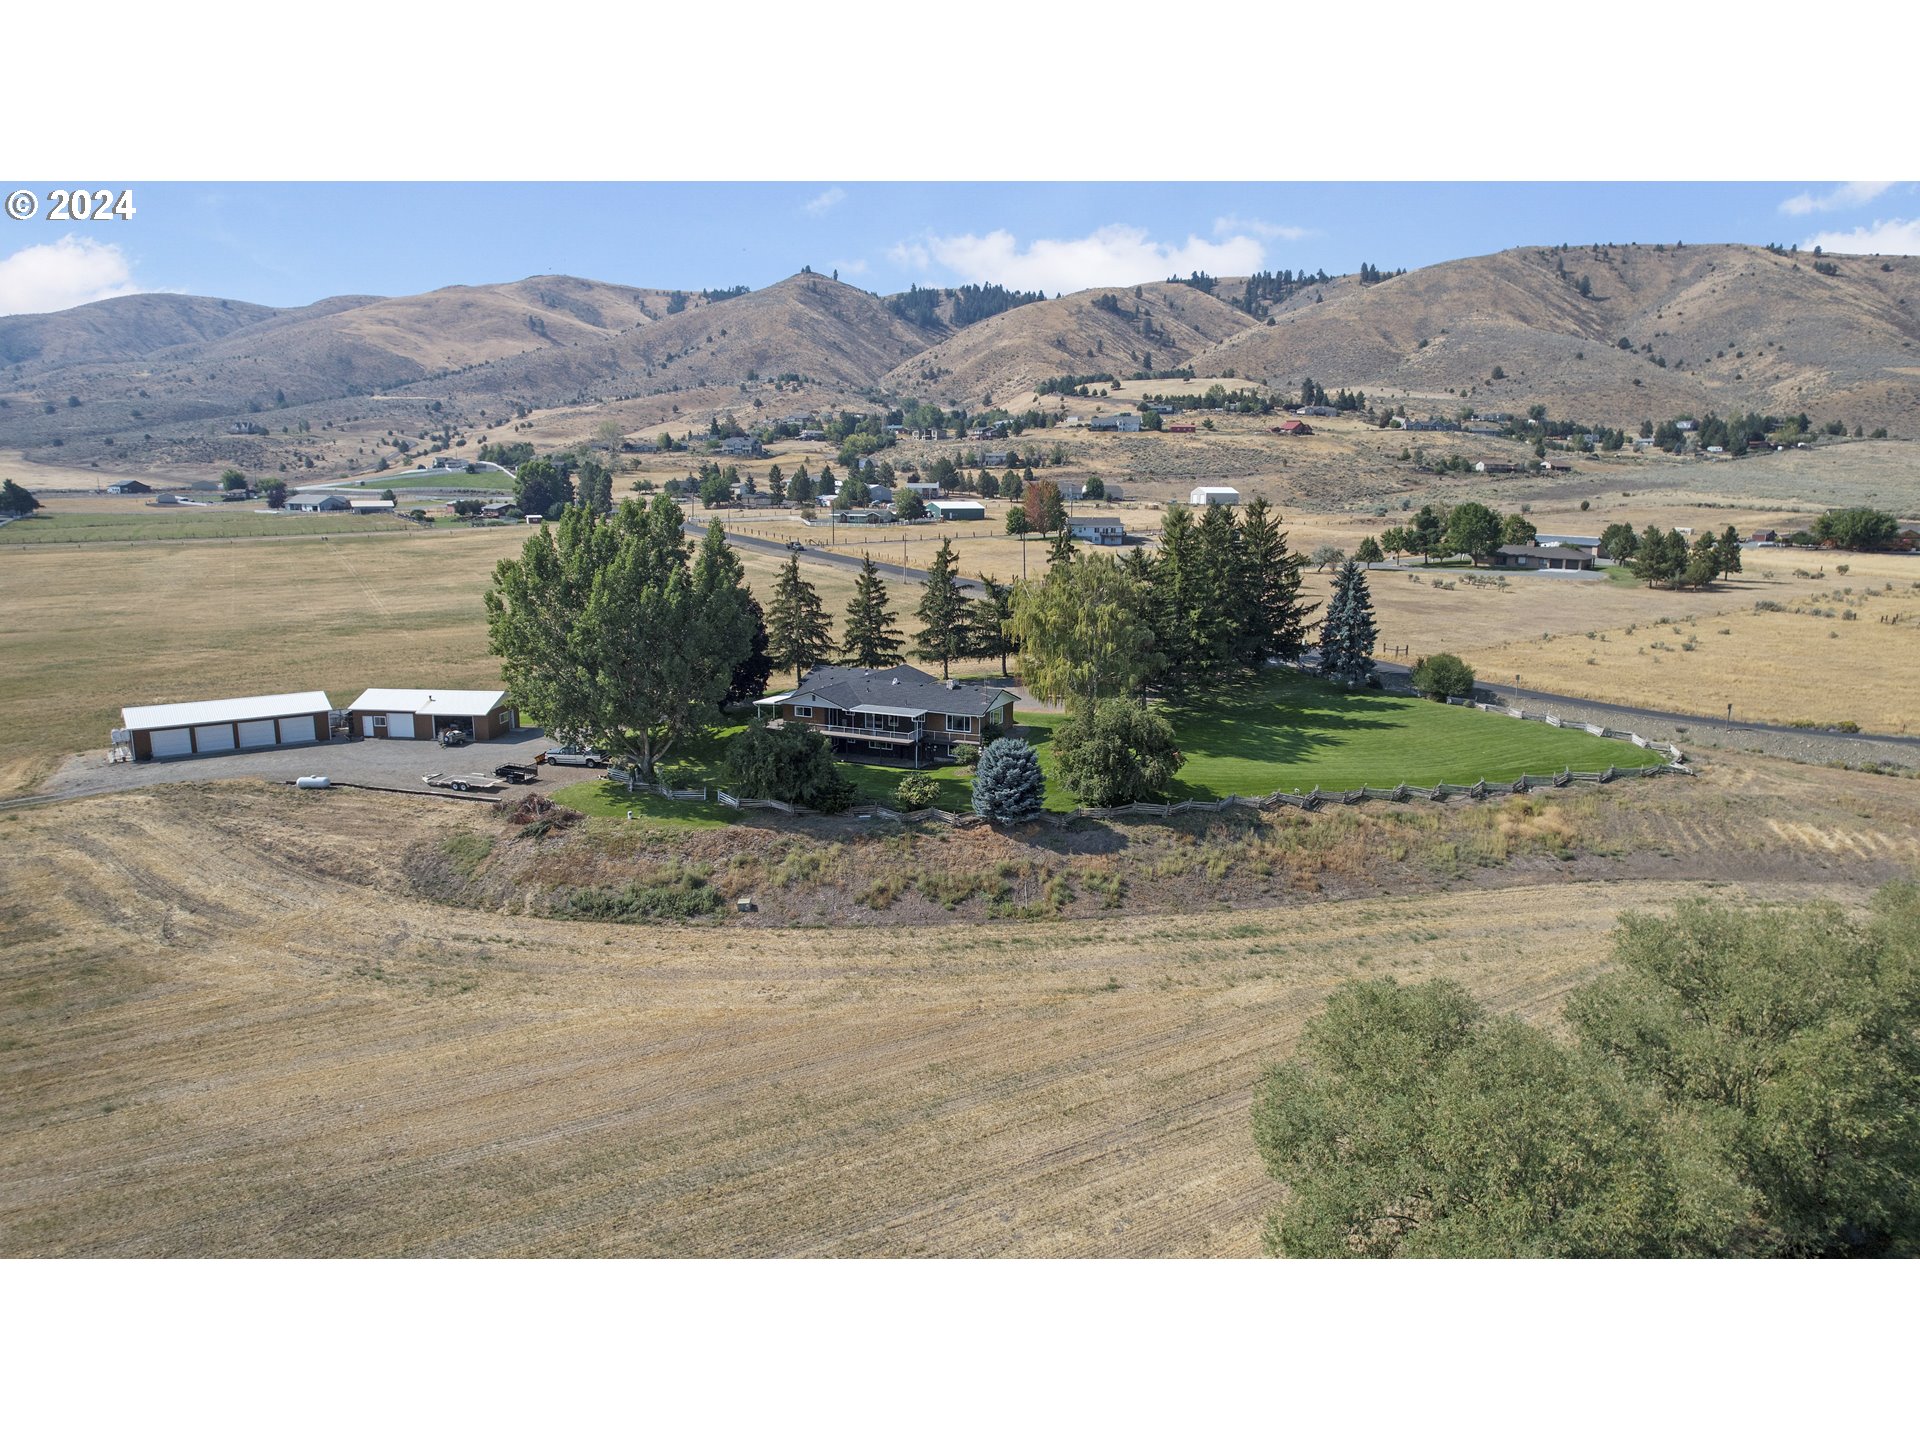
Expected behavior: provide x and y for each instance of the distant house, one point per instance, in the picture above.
(896, 429)
(1181, 429)
(993, 459)
(1326, 411)
(318, 504)
(925, 489)
(1764, 537)
(741, 445)
(1432, 422)
(1293, 427)
(1079, 492)
(1684, 425)
(865, 515)
(1543, 557)
(1496, 417)
(494, 509)
(1214, 495)
(1128, 421)
(1584, 542)
(957, 509)
(1483, 427)
(1098, 529)
(129, 487)
(1494, 466)
(371, 507)
(899, 714)
(451, 462)
(813, 434)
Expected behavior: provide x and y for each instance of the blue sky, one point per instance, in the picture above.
(294, 243)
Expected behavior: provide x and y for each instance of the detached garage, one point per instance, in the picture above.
(214, 727)
(425, 714)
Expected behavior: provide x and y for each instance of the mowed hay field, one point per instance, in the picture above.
(226, 1029)
(93, 628)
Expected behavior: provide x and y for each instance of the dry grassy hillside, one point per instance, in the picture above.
(829, 332)
(119, 329)
(1073, 335)
(1739, 328)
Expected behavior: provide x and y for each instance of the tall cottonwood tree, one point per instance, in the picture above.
(1084, 632)
(606, 634)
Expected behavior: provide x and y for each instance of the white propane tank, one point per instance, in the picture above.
(312, 782)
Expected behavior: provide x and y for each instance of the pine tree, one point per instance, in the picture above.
(943, 613)
(869, 638)
(1061, 547)
(800, 488)
(1221, 583)
(1346, 640)
(1008, 787)
(990, 638)
(776, 485)
(1729, 551)
(1174, 601)
(798, 633)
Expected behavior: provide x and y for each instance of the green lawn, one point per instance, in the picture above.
(1288, 732)
(436, 480)
(1292, 733)
(187, 522)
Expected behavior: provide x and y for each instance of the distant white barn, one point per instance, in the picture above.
(1214, 495)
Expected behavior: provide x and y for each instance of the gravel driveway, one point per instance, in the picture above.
(388, 764)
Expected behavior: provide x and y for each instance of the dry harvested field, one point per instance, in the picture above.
(228, 1026)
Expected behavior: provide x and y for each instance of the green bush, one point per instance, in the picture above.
(793, 765)
(1439, 676)
(685, 898)
(916, 792)
(1116, 753)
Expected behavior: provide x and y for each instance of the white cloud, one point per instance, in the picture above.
(72, 270)
(1882, 237)
(1265, 229)
(1111, 255)
(824, 201)
(1841, 197)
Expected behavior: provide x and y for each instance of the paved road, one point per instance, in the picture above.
(778, 548)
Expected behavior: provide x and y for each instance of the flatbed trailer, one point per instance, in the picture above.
(461, 782)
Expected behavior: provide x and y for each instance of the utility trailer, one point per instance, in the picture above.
(462, 782)
(517, 774)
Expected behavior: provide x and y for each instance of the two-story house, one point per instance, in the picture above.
(901, 714)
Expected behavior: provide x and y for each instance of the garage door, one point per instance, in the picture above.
(212, 737)
(255, 732)
(399, 727)
(297, 730)
(172, 742)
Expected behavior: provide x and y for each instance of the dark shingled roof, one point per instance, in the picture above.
(900, 688)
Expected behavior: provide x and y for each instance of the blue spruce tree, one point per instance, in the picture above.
(1346, 640)
(1008, 786)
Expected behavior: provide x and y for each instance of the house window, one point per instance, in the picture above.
(960, 722)
(803, 712)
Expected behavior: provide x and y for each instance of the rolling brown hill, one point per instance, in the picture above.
(1117, 330)
(1727, 328)
(1737, 327)
(125, 328)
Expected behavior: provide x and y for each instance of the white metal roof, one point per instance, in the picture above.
(432, 702)
(214, 712)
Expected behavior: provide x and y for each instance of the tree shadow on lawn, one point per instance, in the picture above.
(1274, 723)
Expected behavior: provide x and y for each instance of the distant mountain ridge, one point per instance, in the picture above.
(1611, 334)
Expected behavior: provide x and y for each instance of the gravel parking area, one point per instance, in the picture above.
(387, 764)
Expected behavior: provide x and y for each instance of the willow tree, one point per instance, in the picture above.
(608, 632)
(1083, 632)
